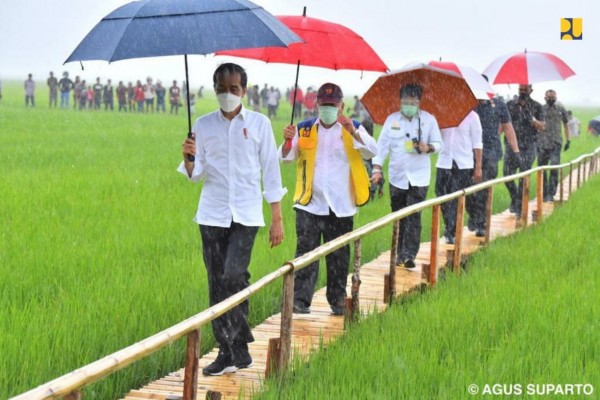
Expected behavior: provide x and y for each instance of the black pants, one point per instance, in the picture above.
(409, 237)
(309, 229)
(550, 156)
(227, 256)
(449, 181)
(511, 166)
(477, 202)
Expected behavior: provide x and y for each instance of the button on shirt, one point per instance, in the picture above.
(407, 166)
(331, 181)
(459, 143)
(230, 156)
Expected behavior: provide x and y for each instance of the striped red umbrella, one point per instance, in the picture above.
(527, 67)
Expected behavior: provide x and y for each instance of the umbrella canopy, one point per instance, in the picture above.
(527, 67)
(326, 44)
(152, 28)
(479, 86)
(446, 94)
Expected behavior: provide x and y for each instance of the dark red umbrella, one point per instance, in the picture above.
(326, 44)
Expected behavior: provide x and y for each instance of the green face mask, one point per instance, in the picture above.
(328, 114)
(409, 110)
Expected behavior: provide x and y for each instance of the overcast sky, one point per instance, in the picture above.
(37, 36)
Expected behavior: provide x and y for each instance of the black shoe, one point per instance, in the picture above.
(450, 239)
(301, 309)
(241, 355)
(471, 226)
(513, 208)
(223, 364)
(337, 311)
(409, 263)
(480, 232)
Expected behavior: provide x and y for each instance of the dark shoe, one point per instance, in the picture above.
(513, 208)
(337, 311)
(409, 263)
(450, 239)
(480, 233)
(301, 310)
(471, 226)
(223, 364)
(241, 355)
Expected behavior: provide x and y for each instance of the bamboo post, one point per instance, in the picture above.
(190, 379)
(488, 214)
(570, 178)
(525, 202)
(434, 250)
(561, 185)
(393, 257)
(273, 356)
(75, 395)
(578, 174)
(540, 194)
(584, 178)
(460, 212)
(355, 291)
(386, 289)
(212, 395)
(285, 333)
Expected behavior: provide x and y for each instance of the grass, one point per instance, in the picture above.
(525, 313)
(97, 246)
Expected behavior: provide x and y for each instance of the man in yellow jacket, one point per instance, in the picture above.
(331, 183)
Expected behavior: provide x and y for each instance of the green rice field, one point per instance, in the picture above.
(98, 250)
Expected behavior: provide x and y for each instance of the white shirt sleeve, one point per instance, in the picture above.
(271, 174)
(367, 150)
(293, 154)
(383, 146)
(435, 136)
(476, 132)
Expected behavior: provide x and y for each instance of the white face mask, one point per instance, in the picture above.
(228, 102)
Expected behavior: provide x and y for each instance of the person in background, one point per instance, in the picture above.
(29, 91)
(458, 166)
(160, 96)
(149, 95)
(130, 97)
(65, 86)
(140, 96)
(574, 124)
(264, 95)
(331, 182)
(82, 95)
(527, 117)
(409, 137)
(174, 97)
(310, 103)
(109, 96)
(549, 144)
(76, 91)
(230, 208)
(297, 99)
(122, 96)
(53, 87)
(272, 103)
(97, 93)
(90, 97)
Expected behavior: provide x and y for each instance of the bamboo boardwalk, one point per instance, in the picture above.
(310, 330)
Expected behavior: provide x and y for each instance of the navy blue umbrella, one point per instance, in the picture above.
(152, 28)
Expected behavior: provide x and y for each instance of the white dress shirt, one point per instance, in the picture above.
(459, 143)
(406, 165)
(331, 181)
(230, 156)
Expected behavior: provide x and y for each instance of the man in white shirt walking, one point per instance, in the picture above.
(408, 136)
(331, 182)
(233, 147)
(462, 148)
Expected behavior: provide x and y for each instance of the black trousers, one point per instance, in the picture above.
(449, 181)
(309, 230)
(409, 237)
(550, 156)
(476, 202)
(226, 253)
(511, 166)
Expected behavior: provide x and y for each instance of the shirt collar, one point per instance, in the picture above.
(242, 114)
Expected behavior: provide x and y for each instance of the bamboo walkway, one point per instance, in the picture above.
(310, 330)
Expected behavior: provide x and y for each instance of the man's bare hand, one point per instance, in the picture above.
(276, 232)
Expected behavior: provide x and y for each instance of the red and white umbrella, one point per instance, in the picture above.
(527, 67)
(478, 85)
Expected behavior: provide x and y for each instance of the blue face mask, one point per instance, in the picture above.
(409, 110)
(328, 114)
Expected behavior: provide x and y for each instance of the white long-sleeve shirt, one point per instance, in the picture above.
(331, 181)
(406, 165)
(459, 143)
(230, 157)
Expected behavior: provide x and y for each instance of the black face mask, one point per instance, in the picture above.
(550, 102)
(523, 96)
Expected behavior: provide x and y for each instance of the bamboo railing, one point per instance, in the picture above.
(69, 386)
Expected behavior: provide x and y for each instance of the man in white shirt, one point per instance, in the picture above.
(462, 148)
(331, 182)
(408, 136)
(233, 147)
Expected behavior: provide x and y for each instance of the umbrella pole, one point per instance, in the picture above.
(187, 92)
(295, 92)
